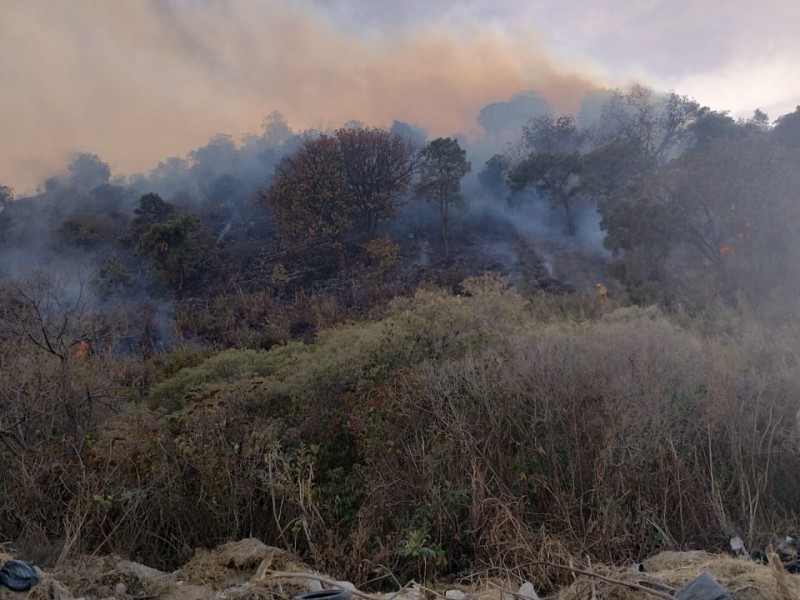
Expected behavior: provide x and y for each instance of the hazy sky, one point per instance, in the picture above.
(136, 81)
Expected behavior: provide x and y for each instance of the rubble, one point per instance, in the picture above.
(251, 570)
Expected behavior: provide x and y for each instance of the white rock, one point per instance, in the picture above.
(737, 547)
(345, 585)
(455, 595)
(526, 590)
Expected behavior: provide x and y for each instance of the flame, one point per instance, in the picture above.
(83, 349)
(725, 250)
(602, 290)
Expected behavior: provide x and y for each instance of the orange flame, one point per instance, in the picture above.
(725, 249)
(83, 349)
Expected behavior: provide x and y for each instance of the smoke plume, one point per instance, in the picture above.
(135, 81)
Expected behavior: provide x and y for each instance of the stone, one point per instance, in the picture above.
(346, 585)
(455, 595)
(704, 587)
(527, 591)
(737, 547)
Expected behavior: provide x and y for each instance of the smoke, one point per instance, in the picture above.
(137, 81)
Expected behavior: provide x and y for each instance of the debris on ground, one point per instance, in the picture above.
(251, 570)
(18, 575)
(669, 572)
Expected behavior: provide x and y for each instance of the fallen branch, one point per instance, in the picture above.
(328, 580)
(630, 584)
(322, 579)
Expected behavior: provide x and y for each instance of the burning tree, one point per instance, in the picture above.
(43, 324)
(721, 217)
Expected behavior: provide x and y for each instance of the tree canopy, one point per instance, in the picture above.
(338, 188)
(172, 249)
(443, 163)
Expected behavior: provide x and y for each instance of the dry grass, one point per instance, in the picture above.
(240, 561)
(5, 555)
(457, 433)
(744, 579)
(105, 576)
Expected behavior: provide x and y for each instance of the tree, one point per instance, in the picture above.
(641, 228)
(6, 196)
(493, 175)
(86, 171)
(787, 129)
(555, 175)
(39, 399)
(112, 279)
(172, 249)
(608, 170)
(152, 210)
(549, 135)
(443, 163)
(719, 220)
(340, 187)
(712, 125)
(759, 122)
(657, 123)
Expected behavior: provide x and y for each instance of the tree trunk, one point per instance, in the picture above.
(571, 229)
(443, 210)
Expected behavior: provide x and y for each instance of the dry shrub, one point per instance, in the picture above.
(4, 556)
(205, 568)
(457, 432)
(575, 307)
(235, 320)
(745, 580)
(56, 407)
(508, 544)
(243, 560)
(618, 437)
(101, 577)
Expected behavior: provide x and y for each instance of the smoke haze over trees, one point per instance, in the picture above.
(520, 326)
(652, 189)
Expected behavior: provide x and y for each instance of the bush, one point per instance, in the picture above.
(453, 432)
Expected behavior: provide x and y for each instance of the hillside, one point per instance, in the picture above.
(359, 347)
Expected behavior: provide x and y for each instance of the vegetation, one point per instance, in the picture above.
(341, 187)
(287, 348)
(443, 165)
(455, 431)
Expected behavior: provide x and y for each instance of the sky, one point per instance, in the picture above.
(137, 81)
